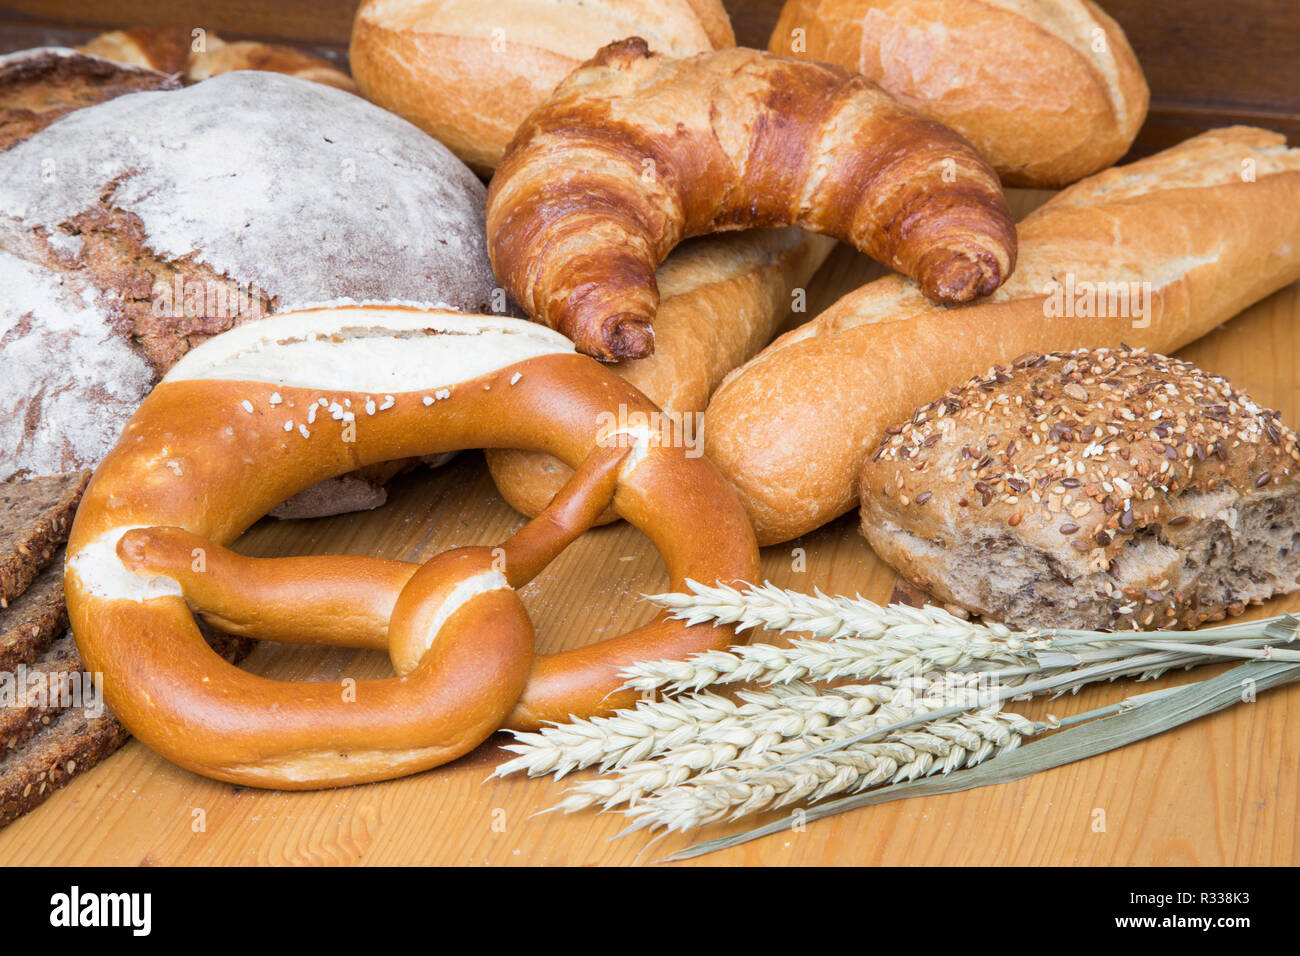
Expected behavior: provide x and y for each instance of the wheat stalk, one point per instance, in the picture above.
(700, 757)
(864, 641)
(747, 753)
(653, 727)
(772, 780)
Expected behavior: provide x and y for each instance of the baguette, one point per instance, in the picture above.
(723, 299)
(1212, 225)
(468, 75)
(1049, 91)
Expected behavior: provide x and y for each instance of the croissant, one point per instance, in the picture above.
(636, 151)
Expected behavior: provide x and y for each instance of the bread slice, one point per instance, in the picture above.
(35, 515)
(57, 741)
(1090, 489)
(33, 619)
(72, 744)
(53, 670)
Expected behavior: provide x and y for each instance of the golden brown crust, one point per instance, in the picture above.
(172, 50)
(1048, 91)
(635, 151)
(1081, 458)
(165, 49)
(468, 73)
(220, 57)
(723, 298)
(1183, 220)
(176, 460)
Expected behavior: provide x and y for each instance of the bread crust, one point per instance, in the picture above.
(171, 50)
(468, 76)
(636, 151)
(45, 84)
(724, 297)
(1094, 488)
(1184, 220)
(1048, 91)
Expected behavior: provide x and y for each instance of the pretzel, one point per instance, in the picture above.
(263, 411)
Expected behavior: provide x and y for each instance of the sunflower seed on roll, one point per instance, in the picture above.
(1090, 489)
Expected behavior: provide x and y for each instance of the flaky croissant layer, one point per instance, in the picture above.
(635, 152)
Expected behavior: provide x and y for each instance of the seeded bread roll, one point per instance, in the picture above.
(1048, 90)
(1090, 489)
(469, 72)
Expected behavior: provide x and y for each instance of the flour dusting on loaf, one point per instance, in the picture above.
(70, 382)
(298, 189)
(197, 211)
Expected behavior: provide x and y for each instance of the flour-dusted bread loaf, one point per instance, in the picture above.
(1090, 489)
(1048, 90)
(133, 230)
(469, 72)
(42, 85)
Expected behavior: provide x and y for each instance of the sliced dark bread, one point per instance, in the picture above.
(71, 744)
(64, 741)
(23, 712)
(35, 515)
(34, 618)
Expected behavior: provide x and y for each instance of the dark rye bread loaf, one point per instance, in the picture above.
(179, 224)
(35, 516)
(40, 86)
(1090, 489)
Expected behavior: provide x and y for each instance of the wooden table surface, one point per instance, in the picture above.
(1223, 790)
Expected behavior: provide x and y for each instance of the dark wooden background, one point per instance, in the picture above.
(1209, 62)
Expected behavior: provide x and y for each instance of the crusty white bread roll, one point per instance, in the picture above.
(1048, 90)
(172, 50)
(468, 72)
(723, 299)
(165, 49)
(1212, 224)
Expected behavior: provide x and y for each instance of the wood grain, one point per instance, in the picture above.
(1222, 791)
